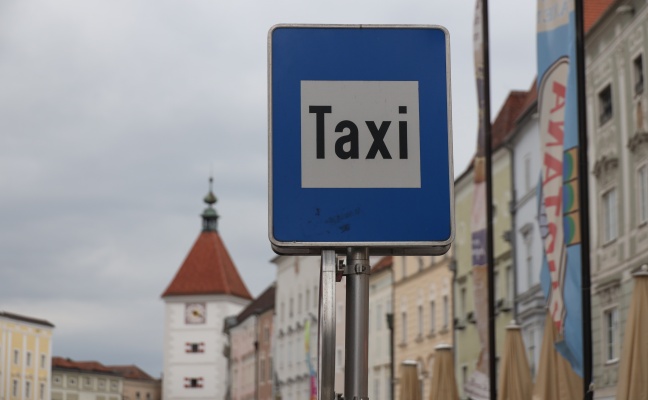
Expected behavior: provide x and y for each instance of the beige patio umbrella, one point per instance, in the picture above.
(444, 385)
(410, 387)
(515, 374)
(556, 379)
(633, 368)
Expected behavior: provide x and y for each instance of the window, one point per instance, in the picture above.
(611, 331)
(16, 356)
(403, 267)
(193, 383)
(446, 312)
(531, 350)
(510, 283)
(464, 374)
(642, 188)
(27, 389)
(41, 392)
(315, 296)
(609, 216)
(432, 316)
(137, 396)
(291, 352)
(262, 370)
(338, 357)
(379, 317)
(528, 248)
(43, 361)
(307, 300)
(291, 308)
(495, 279)
(282, 311)
(605, 105)
(148, 396)
(420, 263)
(404, 326)
(376, 395)
(28, 359)
(299, 304)
(462, 304)
(420, 320)
(527, 173)
(194, 347)
(14, 388)
(637, 65)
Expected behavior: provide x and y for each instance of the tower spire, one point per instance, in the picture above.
(210, 216)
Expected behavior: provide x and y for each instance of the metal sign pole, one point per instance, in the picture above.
(356, 372)
(326, 331)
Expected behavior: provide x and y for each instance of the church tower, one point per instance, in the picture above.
(206, 289)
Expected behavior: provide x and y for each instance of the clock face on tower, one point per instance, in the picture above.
(195, 313)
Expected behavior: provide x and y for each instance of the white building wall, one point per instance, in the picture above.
(528, 242)
(243, 359)
(211, 365)
(380, 304)
(297, 299)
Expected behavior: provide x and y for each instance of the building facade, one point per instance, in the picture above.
(529, 300)
(422, 311)
(295, 325)
(137, 384)
(206, 289)
(25, 357)
(249, 348)
(264, 333)
(471, 335)
(617, 107)
(84, 380)
(380, 350)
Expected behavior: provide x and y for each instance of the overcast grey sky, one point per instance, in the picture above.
(113, 114)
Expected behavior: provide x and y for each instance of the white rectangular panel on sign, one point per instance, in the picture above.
(360, 134)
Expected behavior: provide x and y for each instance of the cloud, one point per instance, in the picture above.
(114, 113)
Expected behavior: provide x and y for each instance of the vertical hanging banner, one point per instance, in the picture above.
(309, 363)
(559, 212)
(477, 385)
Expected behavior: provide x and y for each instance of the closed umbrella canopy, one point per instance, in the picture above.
(556, 379)
(633, 368)
(515, 374)
(444, 385)
(409, 381)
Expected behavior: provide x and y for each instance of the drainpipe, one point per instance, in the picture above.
(512, 239)
(390, 325)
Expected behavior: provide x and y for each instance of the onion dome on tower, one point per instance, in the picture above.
(208, 268)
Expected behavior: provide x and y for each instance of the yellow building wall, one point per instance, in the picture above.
(418, 281)
(468, 345)
(26, 338)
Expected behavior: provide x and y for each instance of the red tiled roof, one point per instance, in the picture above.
(87, 366)
(130, 372)
(593, 10)
(264, 302)
(382, 264)
(508, 114)
(208, 269)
